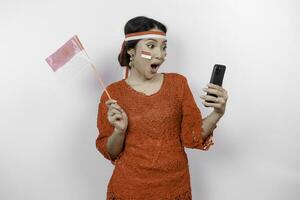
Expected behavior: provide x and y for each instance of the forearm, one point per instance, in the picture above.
(209, 123)
(115, 143)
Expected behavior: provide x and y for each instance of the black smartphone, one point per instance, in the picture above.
(217, 77)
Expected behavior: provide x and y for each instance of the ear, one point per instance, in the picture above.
(131, 52)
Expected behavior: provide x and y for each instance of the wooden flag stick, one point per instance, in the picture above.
(97, 74)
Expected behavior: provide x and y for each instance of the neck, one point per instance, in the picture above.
(136, 78)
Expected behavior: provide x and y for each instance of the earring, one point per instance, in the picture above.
(131, 63)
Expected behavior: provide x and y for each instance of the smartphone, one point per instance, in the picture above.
(216, 78)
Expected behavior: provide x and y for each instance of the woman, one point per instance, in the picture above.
(151, 117)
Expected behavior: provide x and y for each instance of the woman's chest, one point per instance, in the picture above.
(155, 115)
(147, 89)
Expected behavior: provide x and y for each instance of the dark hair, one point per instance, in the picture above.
(137, 24)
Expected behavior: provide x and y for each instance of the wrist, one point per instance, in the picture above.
(119, 131)
(217, 114)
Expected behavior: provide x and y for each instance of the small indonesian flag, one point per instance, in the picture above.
(64, 53)
(70, 61)
(146, 54)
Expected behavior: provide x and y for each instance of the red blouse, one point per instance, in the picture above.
(153, 164)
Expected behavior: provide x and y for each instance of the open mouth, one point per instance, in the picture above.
(154, 66)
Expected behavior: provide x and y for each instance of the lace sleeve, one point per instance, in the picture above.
(191, 123)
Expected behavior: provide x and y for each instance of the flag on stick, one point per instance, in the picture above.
(71, 58)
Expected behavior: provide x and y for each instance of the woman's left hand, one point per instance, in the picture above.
(219, 101)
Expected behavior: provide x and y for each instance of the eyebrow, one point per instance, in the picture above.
(156, 40)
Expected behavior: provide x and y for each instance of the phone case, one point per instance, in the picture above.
(217, 77)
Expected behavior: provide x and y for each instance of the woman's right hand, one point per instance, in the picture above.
(116, 115)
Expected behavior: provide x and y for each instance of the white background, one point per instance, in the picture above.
(48, 130)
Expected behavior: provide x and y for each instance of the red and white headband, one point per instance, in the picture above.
(144, 35)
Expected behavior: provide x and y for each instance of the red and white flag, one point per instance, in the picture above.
(70, 60)
(65, 53)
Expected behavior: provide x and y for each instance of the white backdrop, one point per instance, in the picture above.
(48, 130)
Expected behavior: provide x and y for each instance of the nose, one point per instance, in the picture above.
(159, 54)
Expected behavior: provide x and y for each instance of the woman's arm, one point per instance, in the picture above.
(209, 123)
(115, 143)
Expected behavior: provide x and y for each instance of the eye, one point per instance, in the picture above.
(150, 45)
(165, 47)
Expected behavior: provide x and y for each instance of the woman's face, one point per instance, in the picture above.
(157, 48)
